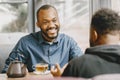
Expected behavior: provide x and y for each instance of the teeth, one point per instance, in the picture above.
(52, 30)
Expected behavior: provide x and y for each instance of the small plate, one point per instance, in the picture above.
(43, 73)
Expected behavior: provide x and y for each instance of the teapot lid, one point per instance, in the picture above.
(16, 61)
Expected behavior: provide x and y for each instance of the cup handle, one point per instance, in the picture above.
(33, 67)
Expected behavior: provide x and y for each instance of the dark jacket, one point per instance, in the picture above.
(97, 60)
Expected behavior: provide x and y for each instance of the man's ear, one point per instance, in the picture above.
(38, 25)
(95, 35)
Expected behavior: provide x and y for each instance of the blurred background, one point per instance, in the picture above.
(18, 18)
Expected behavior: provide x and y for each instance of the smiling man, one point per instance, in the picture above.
(46, 45)
(48, 23)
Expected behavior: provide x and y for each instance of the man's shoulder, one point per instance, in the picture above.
(64, 36)
(85, 57)
(30, 36)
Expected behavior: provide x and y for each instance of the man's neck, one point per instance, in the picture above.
(109, 40)
(48, 39)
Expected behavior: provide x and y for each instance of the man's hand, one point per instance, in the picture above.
(57, 71)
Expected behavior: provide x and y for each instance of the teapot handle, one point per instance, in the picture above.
(24, 68)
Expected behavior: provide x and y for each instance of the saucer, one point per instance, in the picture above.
(43, 73)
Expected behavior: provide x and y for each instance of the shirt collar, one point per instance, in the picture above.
(42, 40)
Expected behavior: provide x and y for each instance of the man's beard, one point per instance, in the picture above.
(47, 35)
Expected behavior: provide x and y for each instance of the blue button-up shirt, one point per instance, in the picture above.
(32, 49)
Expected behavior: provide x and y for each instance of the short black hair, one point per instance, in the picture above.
(45, 7)
(105, 21)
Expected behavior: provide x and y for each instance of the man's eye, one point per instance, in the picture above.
(45, 22)
(54, 20)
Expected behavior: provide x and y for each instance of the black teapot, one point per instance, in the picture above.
(16, 69)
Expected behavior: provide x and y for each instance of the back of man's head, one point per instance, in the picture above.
(106, 21)
(105, 28)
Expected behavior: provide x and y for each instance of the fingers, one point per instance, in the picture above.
(53, 69)
(64, 66)
(57, 66)
(56, 71)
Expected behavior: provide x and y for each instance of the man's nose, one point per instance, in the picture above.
(51, 24)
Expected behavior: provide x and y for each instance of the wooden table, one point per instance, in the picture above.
(29, 76)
